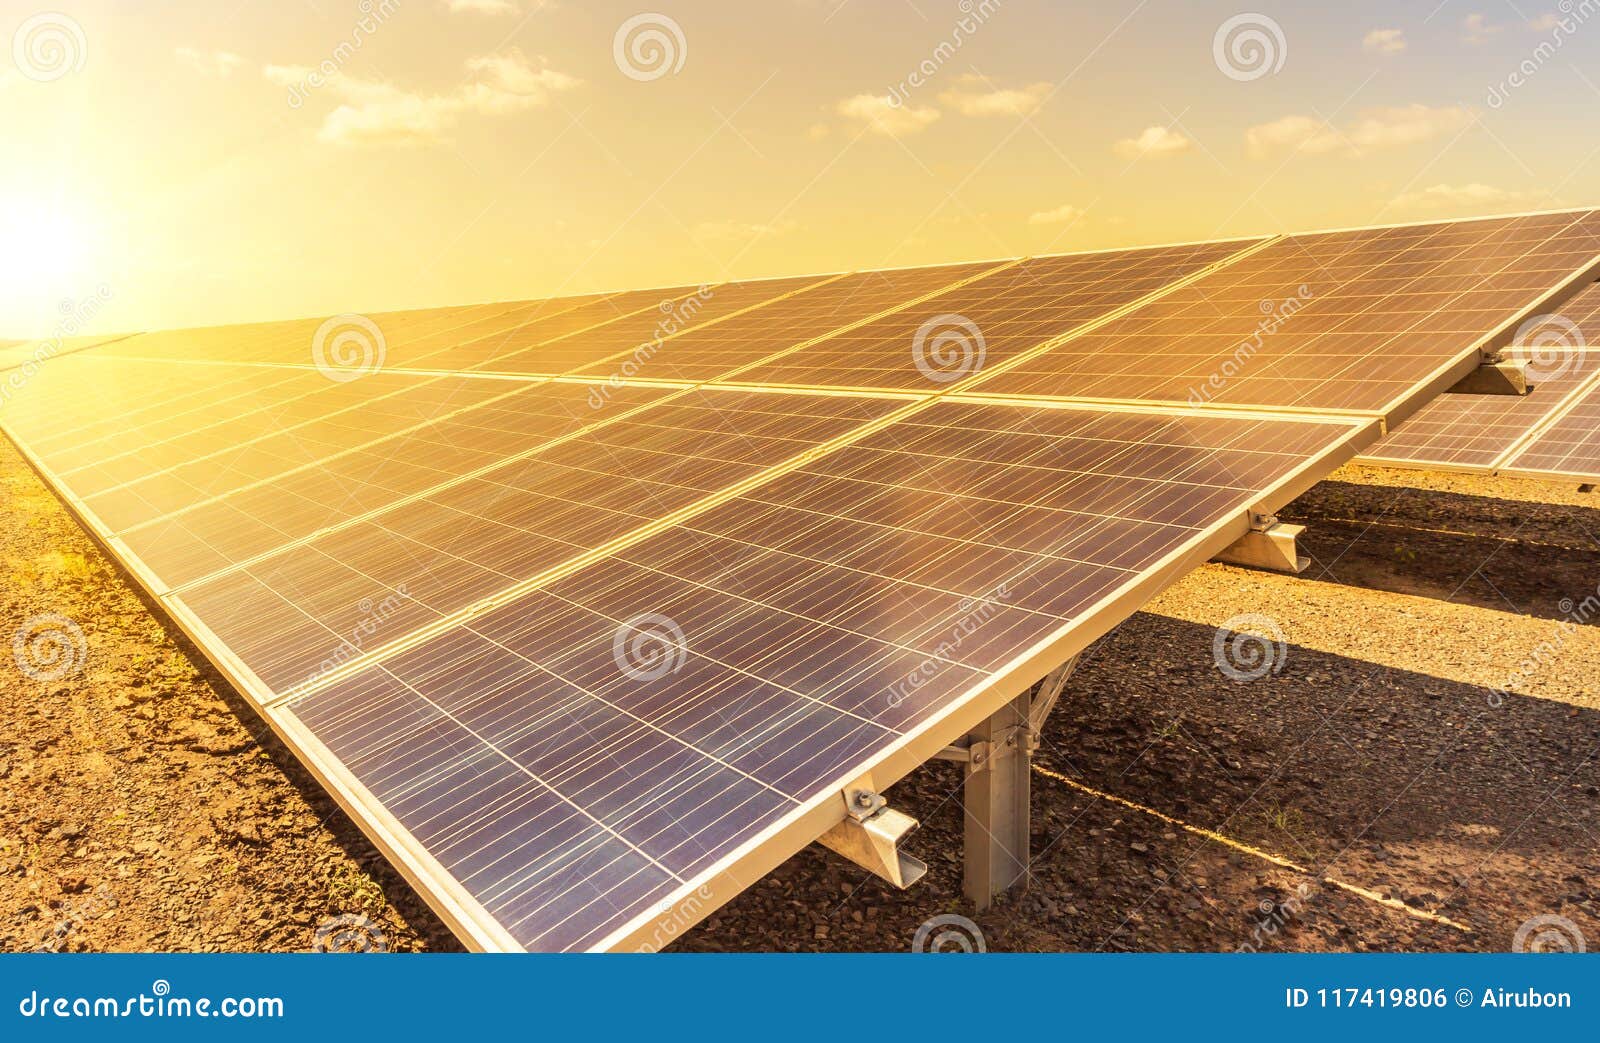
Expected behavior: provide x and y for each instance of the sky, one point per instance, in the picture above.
(195, 163)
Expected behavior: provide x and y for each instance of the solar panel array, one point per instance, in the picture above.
(1484, 433)
(588, 608)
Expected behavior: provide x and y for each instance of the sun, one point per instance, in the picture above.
(47, 251)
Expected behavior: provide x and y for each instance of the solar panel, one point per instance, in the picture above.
(570, 648)
(955, 334)
(711, 352)
(20, 354)
(1333, 321)
(1569, 448)
(784, 643)
(1475, 432)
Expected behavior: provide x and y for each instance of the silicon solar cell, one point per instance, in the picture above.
(441, 553)
(1568, 448)
(711, 352)
(788, 663)
(575, 651)
(955, 334)
(595, 347)
(1333, 321)
(1476, 431)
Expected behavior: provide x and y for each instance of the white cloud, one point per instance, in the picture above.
(1376, 130)
(375, 112)
(1545, 22)
(1061, 215)
(1457, 197)
(1153, 142)
(977, 96)
(1384, 41)
(885, 117)
(1477, 29)
(209, 63)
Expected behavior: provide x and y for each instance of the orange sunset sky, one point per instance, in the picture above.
(200, 163)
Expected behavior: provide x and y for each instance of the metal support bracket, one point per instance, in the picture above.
(870, 836)
(1496, 376)
(1269, 545)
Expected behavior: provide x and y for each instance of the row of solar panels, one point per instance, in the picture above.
(587, 609)
(1552, 433)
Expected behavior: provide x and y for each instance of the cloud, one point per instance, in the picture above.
(1384, 41)
(1153, 142)
(209, 63)
(1377, 129)
(740, 231)
(375, 112)
(886, 118)
(1456, 197)
(818, 131)
(978, 97)
(1545, 22)
(1062, 215)
(1477, 29)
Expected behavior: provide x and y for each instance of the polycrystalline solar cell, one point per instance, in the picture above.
(1568, 448)
(185, 547)
(577, 756)
(16, 354)
(594, 348)
(304, 441)
(1333, 321)
(955, 334)
(639, 305)
(1475, 431)
(712, 351)
(290, 614)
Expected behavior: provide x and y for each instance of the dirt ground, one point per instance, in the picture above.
(1373, 791)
